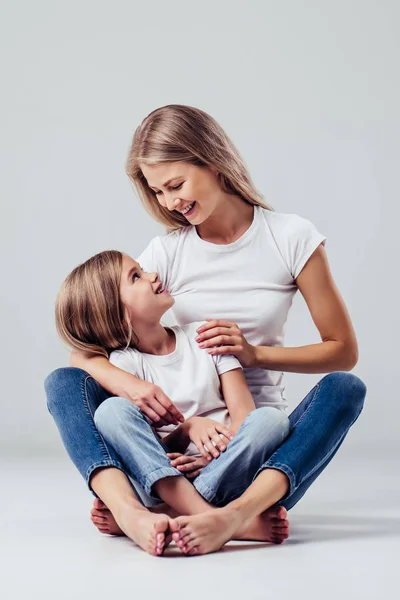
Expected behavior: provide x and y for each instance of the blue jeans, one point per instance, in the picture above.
(127, 430)
(318, 426)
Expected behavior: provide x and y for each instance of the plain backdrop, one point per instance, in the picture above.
(308, 91)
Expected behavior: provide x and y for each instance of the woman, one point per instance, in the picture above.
(233, 259)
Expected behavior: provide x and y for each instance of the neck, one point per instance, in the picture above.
(155, 339)
(228, 222)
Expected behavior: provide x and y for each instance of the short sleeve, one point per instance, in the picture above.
(226, 362)
(297, 239)
(125, 360)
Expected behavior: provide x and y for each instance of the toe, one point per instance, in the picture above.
(161, 525)
(282, 512)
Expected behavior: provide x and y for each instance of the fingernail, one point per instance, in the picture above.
(202, 345)
(198, 338)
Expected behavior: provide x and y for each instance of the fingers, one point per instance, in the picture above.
(213, 332)
(182, 460)
(193, 474)
(203, 451)
(226, 432)
(217, 441)
(210, 446)
(170, 407)
(214, 323)
(162, 414)
(173, 455)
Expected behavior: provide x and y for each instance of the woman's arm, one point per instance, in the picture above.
(337, 351)
(147, 396)
(237, 396)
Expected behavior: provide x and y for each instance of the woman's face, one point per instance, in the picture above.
(142, 293)
(191, 190)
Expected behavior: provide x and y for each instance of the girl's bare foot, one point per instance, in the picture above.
(103, 519)
(147, 530)
(209, 531)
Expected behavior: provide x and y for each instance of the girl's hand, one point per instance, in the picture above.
(190, 466)
(205, 434)
(225, 337)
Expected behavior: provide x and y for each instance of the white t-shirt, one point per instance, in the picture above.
(189, 376)
(250, 282)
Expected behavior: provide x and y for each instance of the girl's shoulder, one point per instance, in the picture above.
(127, 359)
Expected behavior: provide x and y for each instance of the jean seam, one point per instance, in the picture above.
(204, 490)
(316, 392)
(324, 459)
(293, 486)
(97, 433)
(102, 463)
(155, 476)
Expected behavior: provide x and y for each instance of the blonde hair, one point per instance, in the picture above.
(187, 134)
(90, 316)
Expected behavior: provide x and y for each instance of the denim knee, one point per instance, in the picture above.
(110, 412)
(350, 392)
(60, 382)
(267, 420)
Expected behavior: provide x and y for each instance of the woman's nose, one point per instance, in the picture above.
(172, 202)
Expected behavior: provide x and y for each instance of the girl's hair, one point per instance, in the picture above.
(90, 316)
(183, 133)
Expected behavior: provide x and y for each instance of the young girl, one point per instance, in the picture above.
(109, 306)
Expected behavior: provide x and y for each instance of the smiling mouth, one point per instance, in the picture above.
(187, 210)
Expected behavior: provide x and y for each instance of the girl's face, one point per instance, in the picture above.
(191, 190)
(142, 293)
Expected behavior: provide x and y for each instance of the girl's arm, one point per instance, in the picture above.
(237, 396)
(147, 396)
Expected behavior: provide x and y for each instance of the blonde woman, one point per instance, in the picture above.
(232, 261)
(109, 306)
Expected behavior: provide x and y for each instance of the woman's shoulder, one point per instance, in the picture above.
(285, 222)
(295, 236)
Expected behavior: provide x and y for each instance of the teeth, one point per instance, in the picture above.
(186, 210)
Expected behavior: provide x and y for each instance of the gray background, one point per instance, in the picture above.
(308, 91)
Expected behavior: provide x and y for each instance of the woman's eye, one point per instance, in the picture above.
(178, 186)
(135, 276)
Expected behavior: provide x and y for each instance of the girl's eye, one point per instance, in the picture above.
(134, 276)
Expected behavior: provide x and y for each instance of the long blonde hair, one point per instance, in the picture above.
(90, 316)
(184, 133)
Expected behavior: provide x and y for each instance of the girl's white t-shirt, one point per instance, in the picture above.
(189, 376)
(250, 282)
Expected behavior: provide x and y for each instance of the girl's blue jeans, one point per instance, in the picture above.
(126, 429)
(318, 427)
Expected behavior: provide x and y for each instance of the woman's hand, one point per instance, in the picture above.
(190, 466)
(205, 434)
(152, 402)
(225, 337)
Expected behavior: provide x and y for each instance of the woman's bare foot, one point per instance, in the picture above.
(147, 530)
(271, 526)
(103, 519)
(209, 531)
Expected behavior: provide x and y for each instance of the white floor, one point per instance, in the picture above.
(345, 543)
